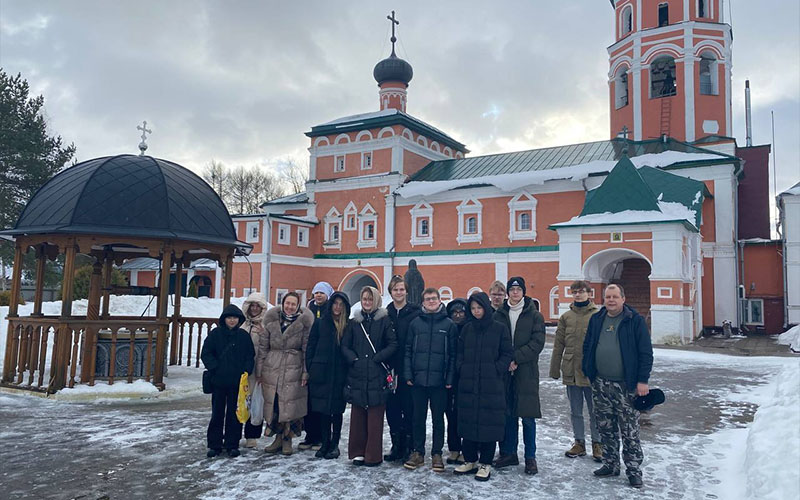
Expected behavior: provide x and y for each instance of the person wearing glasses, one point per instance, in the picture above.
(430, 368)
(566, 362)
(399, 408)
(497, 294)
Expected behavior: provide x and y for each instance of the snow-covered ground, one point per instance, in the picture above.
(791, 337)
(728, 430)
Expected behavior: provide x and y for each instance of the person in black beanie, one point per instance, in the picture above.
(227, 353)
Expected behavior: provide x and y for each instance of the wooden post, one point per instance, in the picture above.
(90, 333)
(163, 295)
(227, 280)
(107, 270)
(41, 260)
(176, 315)
(63, 336)
(9, 362)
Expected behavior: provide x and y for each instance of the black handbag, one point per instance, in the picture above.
(207, 387)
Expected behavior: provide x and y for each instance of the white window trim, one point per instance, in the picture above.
(664, 292)
(279, 293)
(287, 234)
(446, 290)
(473, 290)
(332, 218)
(302, 294)
(554, 303)
(713, 73)
(349, 210)
(336, 168)
(420, 211)
(233, 292)
(521, 203)
(249, 238)
(469, 206)
(364, 160)
(367, 215)
(622, 24)
(305, 232)
(749, 312)
(618, 88)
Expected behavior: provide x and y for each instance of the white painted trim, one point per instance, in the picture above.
(367, 216)
(249, 226)
(554, 301)
(421, 211)
(305, 232)
(363, 133)
(446, 290)
(287, 231)
(393, 180)
(341, 137)
(318, 141)
(664, 292)
(522, 203)
(339, 166)
(384, 130)
(472, 290)
(349, 210)
(469, 207)
(431, 260)
(688, 85)
(482, 192)
(389, 229)
(134, 278)
(365, 164)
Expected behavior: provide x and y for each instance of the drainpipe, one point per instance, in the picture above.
(268, 256)
(394, 232)
(783, 260)
(748, 120)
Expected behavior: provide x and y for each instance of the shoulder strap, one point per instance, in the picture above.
(372, 346)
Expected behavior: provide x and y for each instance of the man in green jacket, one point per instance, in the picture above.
(526, 324)
(566, 361)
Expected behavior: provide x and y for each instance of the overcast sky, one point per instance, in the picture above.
(240, 82)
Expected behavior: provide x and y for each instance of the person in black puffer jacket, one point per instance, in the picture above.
(227, 353)
(399, 408)
(457, 312)
(484, 353)
(366, 387)
(430, 368)
(327, 370)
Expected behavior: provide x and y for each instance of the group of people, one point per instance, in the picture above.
(474, 360)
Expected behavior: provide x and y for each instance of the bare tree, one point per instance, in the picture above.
(266, 186)
(239, 186)
(293, 174)
(216, 175)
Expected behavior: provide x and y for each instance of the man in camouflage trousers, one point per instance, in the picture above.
(617, 358)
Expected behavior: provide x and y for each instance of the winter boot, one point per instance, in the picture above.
(213, 452)
(455, 457)
(578, 449)
(333, 446)
(597, 451)
(414, 461)
(606, 471)
(530, 466)
(286, 445)
(506, 460)
(234, 452)
(407, 447)
(326, 442)
(437, 463)
(466, 468)
(484, 472)
(275, 447)
(396, 453)
(251, 443)
(635, 481)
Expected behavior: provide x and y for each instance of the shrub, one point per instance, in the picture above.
(5, 298)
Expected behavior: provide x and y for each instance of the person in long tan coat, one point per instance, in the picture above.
(254, 308)
(282, 371)
(566, 362)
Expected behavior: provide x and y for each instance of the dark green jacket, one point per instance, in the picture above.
(528, 343)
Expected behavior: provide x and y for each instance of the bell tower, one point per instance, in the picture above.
(670, 69)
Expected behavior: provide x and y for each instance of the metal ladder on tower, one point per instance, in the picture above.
(666, 115)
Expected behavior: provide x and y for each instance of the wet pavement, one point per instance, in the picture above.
(155, 449)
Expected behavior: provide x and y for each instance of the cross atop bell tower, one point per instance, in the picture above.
(393, 75)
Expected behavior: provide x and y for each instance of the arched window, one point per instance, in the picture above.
(626, 24)
(524, 222)
(708, 74)
(445, 294)
(702, 8)
(621, 88)
(423, 227)
(554, 302)
(662, 77)
(472, 290)
(472, 225)
(663, 14)
(334, 233)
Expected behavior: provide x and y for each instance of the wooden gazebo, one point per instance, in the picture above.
(112, 209)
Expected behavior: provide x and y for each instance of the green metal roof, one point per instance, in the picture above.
(385, 118)
(676, 188)
(560, 156)
(623, 189)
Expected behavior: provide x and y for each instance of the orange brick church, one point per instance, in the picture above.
(669, 205)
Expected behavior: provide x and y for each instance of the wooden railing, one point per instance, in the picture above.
(56, 353)
(189, 337)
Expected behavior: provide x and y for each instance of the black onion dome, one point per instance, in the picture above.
(132, 196)
(393, 69)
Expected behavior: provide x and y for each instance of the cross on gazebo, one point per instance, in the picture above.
(624, 132)
(145, 131)
(394, 22)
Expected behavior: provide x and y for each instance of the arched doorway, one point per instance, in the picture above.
(353, 285)
(627, 268)
(202, 286)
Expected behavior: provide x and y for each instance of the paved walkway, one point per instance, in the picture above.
(154, 449)
(751, 345)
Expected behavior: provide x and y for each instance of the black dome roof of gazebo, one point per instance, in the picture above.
(130, 196)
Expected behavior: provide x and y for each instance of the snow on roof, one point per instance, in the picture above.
(515, 181)
(669, 211)
(794, 190)
(361, 117)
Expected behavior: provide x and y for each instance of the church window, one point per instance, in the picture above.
(252, 232)
(302, 236)
(554, 302)
(522, 217)
(472, 290)
(333, 223)
(621, 88)
(663, 14)
(366, 160)
(421, 224)
(470, 224)
(350, 214)
(702, 8)
(627, 20)
(338, 165)
(708, 74)
(445, 294)
(334, 234)
(367, 219)
(662, 77)
(284, 234)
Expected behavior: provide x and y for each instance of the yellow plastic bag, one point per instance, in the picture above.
(242, 402)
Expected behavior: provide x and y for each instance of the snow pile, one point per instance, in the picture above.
(513, 182)
(791, 337)
(772, 457)
(669, 211)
